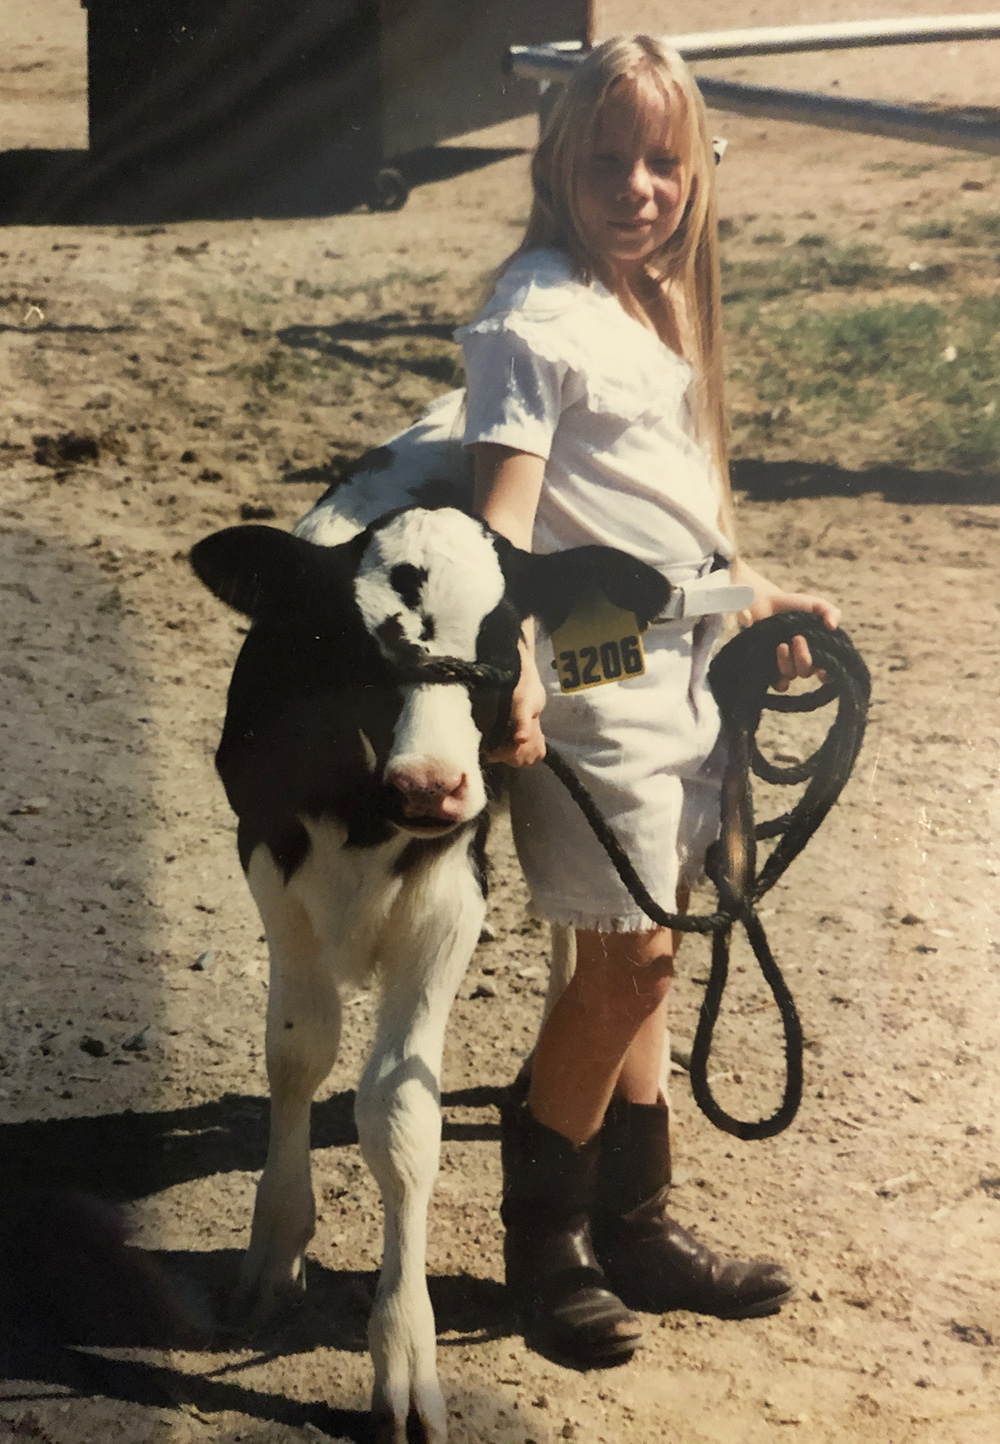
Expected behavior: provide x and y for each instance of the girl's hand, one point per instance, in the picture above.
(525, 744)
(794, 658)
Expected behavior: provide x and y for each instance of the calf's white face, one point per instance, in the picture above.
(425, 584)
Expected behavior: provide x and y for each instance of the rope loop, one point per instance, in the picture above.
(740, 676)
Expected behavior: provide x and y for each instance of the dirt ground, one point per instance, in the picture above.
(205, 371)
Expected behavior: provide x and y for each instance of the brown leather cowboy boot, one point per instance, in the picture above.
(566, 1309)
(650, 1260)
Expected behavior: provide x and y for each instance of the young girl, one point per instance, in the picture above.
(595, 414)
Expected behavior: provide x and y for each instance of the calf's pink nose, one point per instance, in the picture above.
(429, 791)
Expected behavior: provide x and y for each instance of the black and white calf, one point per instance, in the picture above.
(378, 661)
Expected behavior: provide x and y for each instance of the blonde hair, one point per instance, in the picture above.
(687, 264)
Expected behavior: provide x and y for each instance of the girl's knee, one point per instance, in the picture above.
(622, 955)
(626, 971)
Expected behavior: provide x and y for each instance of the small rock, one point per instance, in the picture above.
(139, 1042)
(96, 1047)
(818, 1294)
(253, 511)
(203, 961)
(910, 920)
(483, 990)
(33, 807)
(540, 1401)
(972, 1334)
(69, 449)
(487, 933)
(973, 185)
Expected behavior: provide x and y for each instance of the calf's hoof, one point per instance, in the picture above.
(259, 1303)
(426, 1421)
(387, 1429)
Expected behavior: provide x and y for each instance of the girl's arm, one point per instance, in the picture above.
(794, 660)
(508, 484)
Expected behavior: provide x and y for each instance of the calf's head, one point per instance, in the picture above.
(425, 607)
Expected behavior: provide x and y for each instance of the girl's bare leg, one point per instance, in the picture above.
(605, 1035)
(608, 1025)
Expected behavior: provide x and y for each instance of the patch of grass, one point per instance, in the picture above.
(977, 228)
(279, 370)
(812, 240)
(769, 238)
(814, 267)
(899, 168)
(922, 383)
(930, 231)
(345, 290)
(967, 442)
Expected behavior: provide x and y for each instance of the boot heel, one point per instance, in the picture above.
(565, 1306)
(650, 1260)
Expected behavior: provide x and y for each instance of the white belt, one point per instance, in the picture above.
(704, 596)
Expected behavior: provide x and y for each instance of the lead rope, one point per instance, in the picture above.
(740, 676)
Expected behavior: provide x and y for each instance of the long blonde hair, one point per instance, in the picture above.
(687, 264)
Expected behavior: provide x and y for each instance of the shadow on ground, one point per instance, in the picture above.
(127, 1156)
(69, 1285)
(46, 187)
(780, 480)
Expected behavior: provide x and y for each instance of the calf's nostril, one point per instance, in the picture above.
(426, 791)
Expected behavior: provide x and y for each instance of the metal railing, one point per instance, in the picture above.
(551, 64)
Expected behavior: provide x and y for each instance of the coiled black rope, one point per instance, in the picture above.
(740, 676)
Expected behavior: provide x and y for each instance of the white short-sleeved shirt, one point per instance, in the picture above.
(556, 367)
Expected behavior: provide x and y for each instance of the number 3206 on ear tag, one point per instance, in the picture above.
(597, 644)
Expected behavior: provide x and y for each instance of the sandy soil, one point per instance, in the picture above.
(208, 368)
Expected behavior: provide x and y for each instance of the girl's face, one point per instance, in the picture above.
(632, 189)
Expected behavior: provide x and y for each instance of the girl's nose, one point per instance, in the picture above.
(638, 182)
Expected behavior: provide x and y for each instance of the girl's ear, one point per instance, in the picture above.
(258, 570)
(550, 586)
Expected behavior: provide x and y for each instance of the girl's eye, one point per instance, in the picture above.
(664, 164)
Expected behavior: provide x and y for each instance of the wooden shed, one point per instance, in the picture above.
(281, 99)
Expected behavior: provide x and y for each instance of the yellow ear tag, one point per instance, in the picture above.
(598, 643)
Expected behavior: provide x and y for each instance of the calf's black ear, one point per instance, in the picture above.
(549, 587)
(258, 570)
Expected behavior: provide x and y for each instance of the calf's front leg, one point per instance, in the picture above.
(432, 932)
(303, 1032)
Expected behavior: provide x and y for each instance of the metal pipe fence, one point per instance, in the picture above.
(551, 64)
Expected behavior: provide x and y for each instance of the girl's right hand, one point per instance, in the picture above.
(525, 744)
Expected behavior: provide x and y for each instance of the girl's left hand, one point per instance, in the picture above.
(794, 659)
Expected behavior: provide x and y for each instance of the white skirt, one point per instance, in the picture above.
(647, 749)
